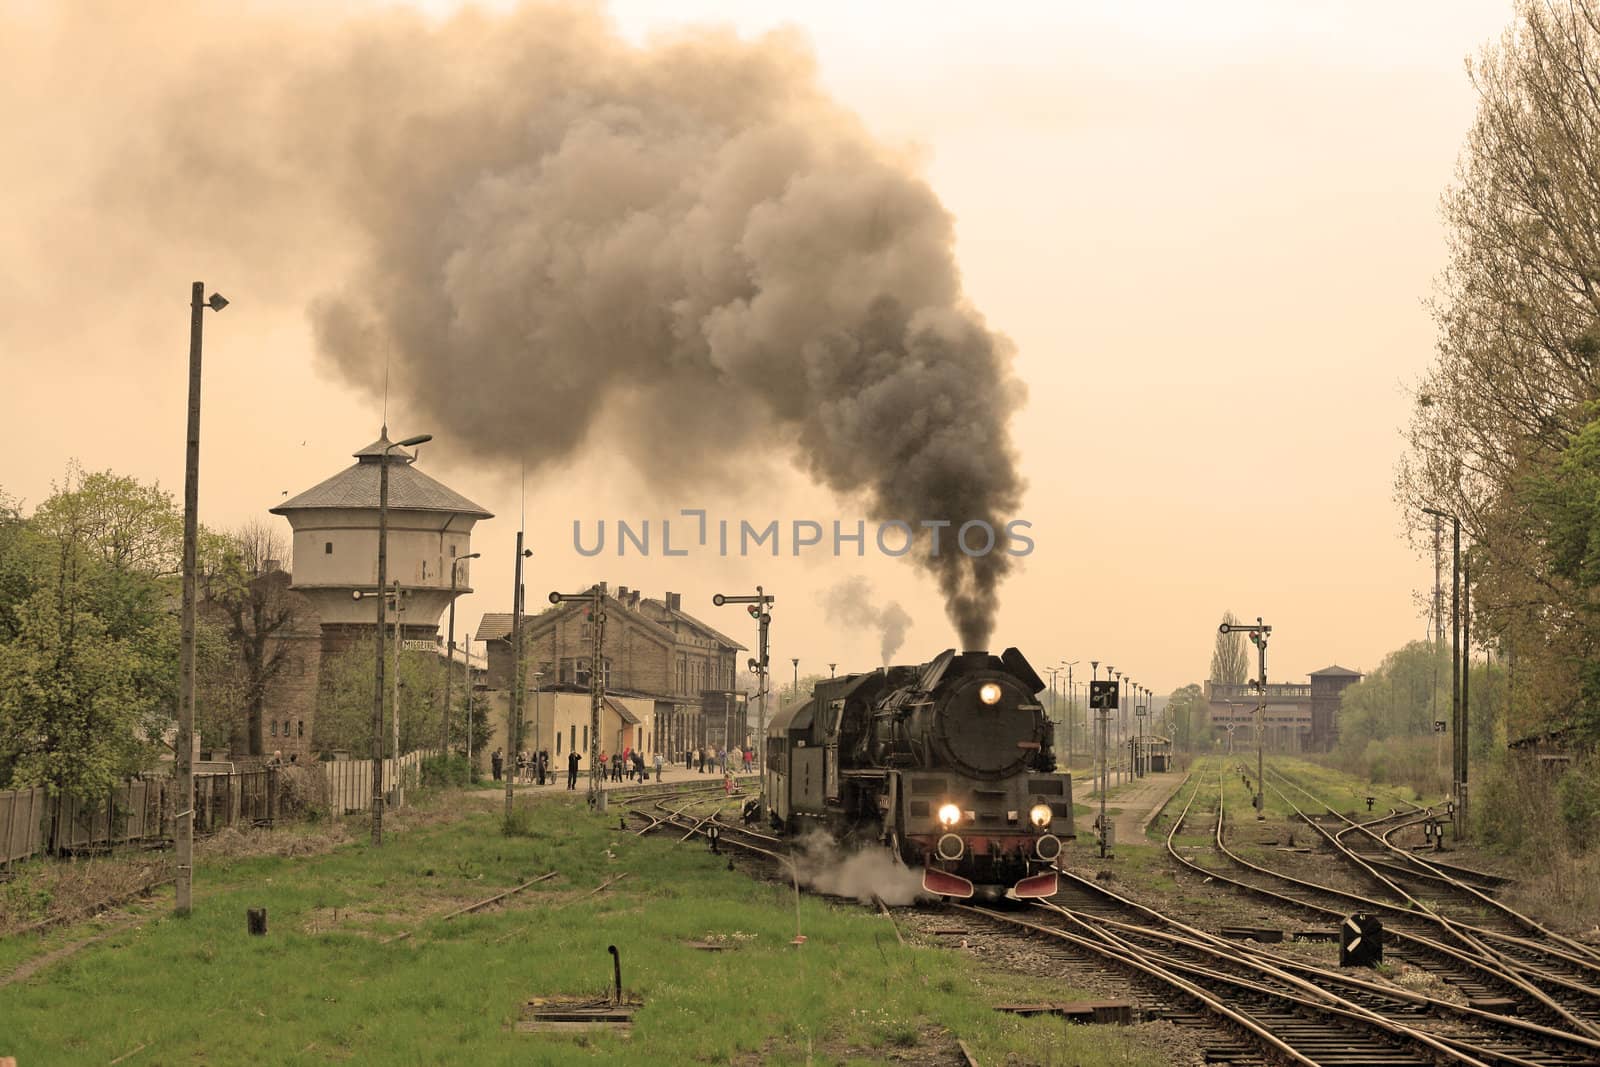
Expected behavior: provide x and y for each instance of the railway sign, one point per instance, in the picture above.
(1141, 710)
(1439, 725)
(1103, 696)
(414, 645)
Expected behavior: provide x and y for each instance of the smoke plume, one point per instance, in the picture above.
(851, 603)
(683, 251)
(863, 874)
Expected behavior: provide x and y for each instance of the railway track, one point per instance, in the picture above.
(1418, 937)
(1253, 1007)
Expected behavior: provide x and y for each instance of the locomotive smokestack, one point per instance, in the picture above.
(586, 228)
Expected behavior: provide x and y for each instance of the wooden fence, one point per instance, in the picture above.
(350, 781)
(140, 811)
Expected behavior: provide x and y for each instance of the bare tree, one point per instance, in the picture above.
(1229, 664)
(256, 610)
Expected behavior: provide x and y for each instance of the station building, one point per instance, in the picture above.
(670, 680)
(1298, 718)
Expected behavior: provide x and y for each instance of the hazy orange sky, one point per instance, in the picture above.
(1209, 230)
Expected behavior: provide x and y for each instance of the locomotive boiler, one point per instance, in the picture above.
(950, 764)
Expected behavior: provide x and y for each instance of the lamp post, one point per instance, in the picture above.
(449, 658)
(1072, 707)
(796, 663)
(1458, 695)
(760, 605)
(184, 753)
(1117, 767)
(383, 581)
(1094, 668)
(597, 620)
(831, 666)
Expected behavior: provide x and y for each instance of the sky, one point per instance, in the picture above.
(1209, 231)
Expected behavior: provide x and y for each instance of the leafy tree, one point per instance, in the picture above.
(344, 706)
(1190, 715)
(1229, 664)
(88, 632)
(1500, 433)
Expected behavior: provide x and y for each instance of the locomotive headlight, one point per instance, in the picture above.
(949, 815)
(1040, 815)
(989, 693)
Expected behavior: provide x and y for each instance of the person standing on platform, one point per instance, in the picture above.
(572, 769)
(496, 762)
(658, 765)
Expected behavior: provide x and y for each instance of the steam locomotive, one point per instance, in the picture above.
(949, 764)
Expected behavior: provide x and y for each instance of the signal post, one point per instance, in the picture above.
(1258, 637)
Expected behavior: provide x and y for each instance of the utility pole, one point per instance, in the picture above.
(379, 594)
(466, 684)
(1462, 825)
(1104, 732)
(183, 807)
(514, 712)
(450, 664)
(1458, 748)
(394, 769)
(597, 622)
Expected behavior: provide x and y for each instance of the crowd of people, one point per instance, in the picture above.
(534, 768)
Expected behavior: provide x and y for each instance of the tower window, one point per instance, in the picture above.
(327, 548)
(452, 551)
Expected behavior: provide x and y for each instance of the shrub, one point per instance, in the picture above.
(445, 771)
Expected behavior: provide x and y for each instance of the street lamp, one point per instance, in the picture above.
(831, 666)
(191, 535)
(1459, 591)
(1072, 706)
(450, 655)
(383, 581)
(796, 663)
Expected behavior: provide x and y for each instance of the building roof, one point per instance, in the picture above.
(357, 487)
(1336, 671)
(496, 625)
(684, 617)
(622, 710)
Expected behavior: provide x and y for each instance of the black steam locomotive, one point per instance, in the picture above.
(950, 764)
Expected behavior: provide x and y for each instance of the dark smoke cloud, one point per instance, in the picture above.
(851, 603)
(685, 252)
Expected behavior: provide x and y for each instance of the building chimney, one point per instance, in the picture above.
(622, 593)
(270, 565)
(674, 602)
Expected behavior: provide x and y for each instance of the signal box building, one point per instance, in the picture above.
(1298, 718)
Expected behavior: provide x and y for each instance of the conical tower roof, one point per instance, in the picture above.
(356, 487)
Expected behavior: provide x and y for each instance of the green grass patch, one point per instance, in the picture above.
(322, 987)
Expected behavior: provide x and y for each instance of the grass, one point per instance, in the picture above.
(322, 988)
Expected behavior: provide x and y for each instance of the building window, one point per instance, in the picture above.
(574, 742)
(558, 743)
(300, 726)
(327, 550)
(452, 556)
(275, 721)
(585, 733)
